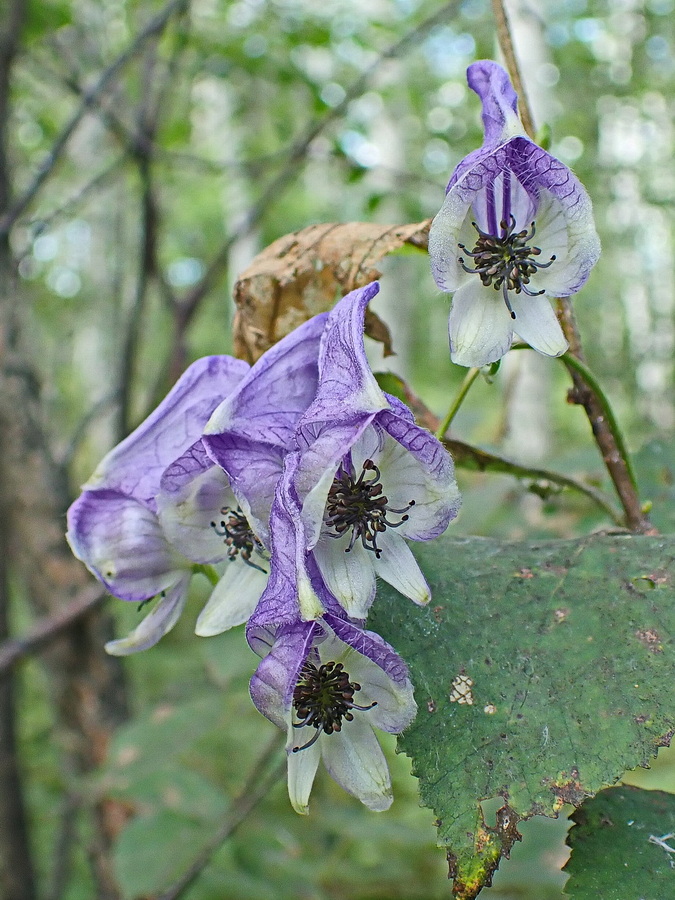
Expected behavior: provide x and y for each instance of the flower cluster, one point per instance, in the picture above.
(291, 484)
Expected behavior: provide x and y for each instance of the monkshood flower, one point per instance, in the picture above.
(366, 478)
(516, 227)
(328, 684)
(157, 508)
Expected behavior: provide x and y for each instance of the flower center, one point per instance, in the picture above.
(361, 506)
(239, 537)
(323, 697)
(506, 261)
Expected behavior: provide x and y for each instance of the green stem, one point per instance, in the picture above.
(469, 379)
(209, 571)
(573, 362)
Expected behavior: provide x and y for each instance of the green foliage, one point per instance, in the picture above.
(542, 672)
(615, 855)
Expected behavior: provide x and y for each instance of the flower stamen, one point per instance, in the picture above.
(239, 537)
(505, 261)
(322, 698)
(361, 506)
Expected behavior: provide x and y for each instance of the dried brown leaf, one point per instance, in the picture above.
(304, 273)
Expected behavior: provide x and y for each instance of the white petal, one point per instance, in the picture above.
(350, 577)
(155, 625)
(186, 516)
(450, 227)
(407, 476)
(399, 568)
(537, 324)
(354, 758)
(302, 768)
(233, 599)
(480, 326)
(396, 707)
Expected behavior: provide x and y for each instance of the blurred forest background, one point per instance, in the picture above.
(148, 151)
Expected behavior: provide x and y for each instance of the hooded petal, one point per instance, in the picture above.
(121, 541)
(275, 678)
(292, 592)
(156, 624)
(135, 465)
(233, 599)
(278, 389)
(253, 469)
(480, 327)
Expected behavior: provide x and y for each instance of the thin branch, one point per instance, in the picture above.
(473, 458)
(47, 629)
(155, 27)
(274, 190)
(257, 786)
(614, 456)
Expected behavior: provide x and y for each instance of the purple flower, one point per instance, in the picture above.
(159, 508)
(365, 479)
(328, 684)
(114, 527)
(516, 227)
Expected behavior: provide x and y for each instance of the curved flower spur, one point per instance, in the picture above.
(328, 684)
(366, 477)
(516, 226)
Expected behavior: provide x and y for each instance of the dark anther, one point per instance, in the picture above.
(361, 506)
(239, 538)
(505, 262)
(322, 698)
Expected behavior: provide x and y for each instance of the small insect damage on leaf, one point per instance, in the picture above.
(461, 690)
(665, 740)
(491, 844)
(568, 789)
(650, 639)
(561, 614)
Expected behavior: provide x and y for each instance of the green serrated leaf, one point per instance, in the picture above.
(620, 843)
(542, 672)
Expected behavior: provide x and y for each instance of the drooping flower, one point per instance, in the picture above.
(515, 228)
(365, 478)
(328, 684)
(114, 526)
(158, 508)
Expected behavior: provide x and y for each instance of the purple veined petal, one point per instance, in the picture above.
(156, 624)
(414, 466)
(499, 101)
(537, 324)
(398, 567)
(370, 645)
(232, 600)
(349, 576)
(354, 759)
(194, 498)
(291, 593)
(121, 541)
(278, 389)
(480, 327)
(135, 465)
(346, 381)
(301, 773)
(399, 408)
(277, 674)
(253, 469)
